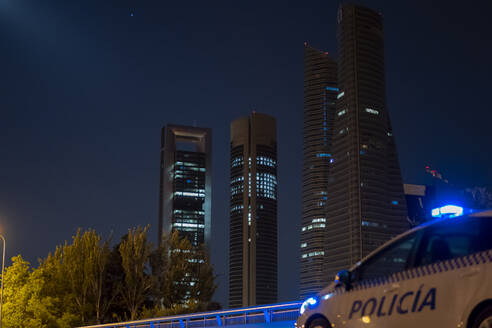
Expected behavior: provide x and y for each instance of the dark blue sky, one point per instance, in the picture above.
(85, 89)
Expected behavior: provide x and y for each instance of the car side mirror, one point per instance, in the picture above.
(344, 278)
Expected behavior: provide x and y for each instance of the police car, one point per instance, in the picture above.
(438, 274)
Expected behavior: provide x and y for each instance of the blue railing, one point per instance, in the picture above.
(278, 315)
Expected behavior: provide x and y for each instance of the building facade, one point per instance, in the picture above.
(420, 200)
(253, 211)
(320, 94)
(365, 205)
(185, 194)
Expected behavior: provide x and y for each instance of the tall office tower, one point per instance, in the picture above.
(320, 93)
(186, 183)
(253, 206)
(366, 205)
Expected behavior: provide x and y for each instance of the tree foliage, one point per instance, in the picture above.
(135, 253)
(85, 282)
(84, 266)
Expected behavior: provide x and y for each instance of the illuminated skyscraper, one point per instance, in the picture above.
(365, 205)
(320, 93)
(186, 183)
(253, 211)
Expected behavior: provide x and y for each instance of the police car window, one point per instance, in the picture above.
(486, 234)
(452, 239)
(393, 258)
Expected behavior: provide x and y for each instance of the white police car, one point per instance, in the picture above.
(438, 274)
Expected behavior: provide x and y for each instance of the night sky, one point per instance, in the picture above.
(85, 89)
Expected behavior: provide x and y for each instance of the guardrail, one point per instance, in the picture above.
(272, 314)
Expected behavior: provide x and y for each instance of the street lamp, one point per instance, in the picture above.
(1, 295)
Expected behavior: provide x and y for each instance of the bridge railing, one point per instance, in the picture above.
(256, 315)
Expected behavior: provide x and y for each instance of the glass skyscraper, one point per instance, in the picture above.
(320, 94)
(253, 211)
(366, 204)
(353, 198)
(185, 183)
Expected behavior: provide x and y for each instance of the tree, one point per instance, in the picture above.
(29, 301)
(113, 282)
(84, 265)
(135, 252)
(16, 293)
(204, 288)
(189, 282)
(84, 282)
(99, 262)
(159, 264)
(57, 289)
(176, 287)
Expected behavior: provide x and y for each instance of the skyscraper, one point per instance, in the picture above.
(186, 183)
(365, 205)
(320, 93)
(253, 211)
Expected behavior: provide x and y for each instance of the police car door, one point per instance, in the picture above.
(447, 274)
(376, 298)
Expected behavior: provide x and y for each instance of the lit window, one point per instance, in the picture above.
(370, 224)
(343, 111)
(237, 189)
(237, 161)
(319, 220)
(372, 111)
(237, 179)
(314, 226)
(200, 193)
(189, 164)
(187, 225)
(303, 245)
(267, 161)
(344, 130)
(304, 256)
(341, 94)
(332, 89)
(266, 184)
(323, 155)
(394, 202)
(389, 134)
(236, 208)
(317, 253)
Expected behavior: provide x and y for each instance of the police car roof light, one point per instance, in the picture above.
(447, 210)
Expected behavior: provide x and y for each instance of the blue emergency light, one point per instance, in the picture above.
(449, 211)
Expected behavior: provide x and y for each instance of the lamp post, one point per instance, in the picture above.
(1, 293)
